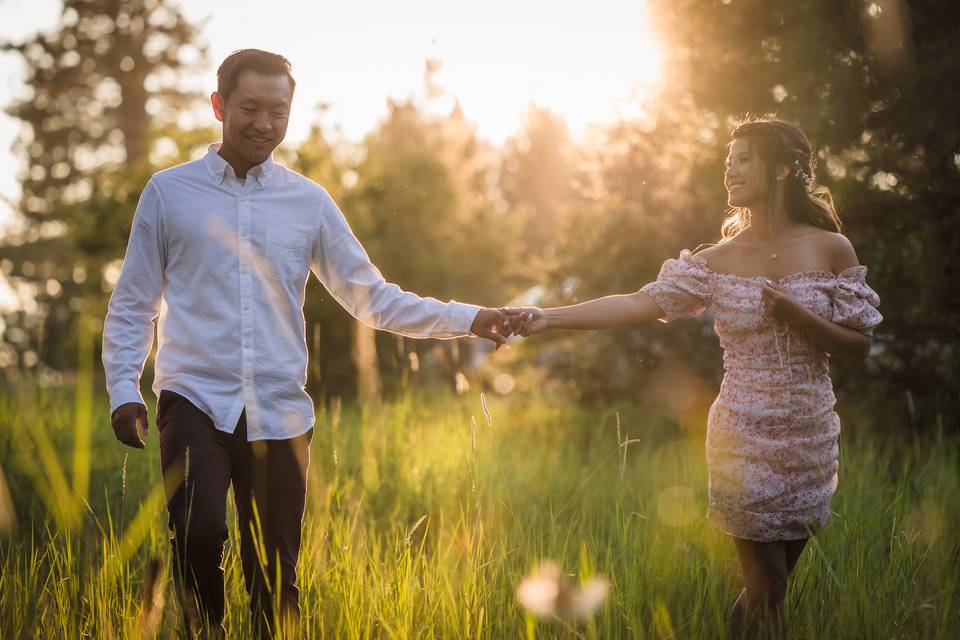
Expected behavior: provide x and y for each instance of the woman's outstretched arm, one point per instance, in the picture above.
(602, 313)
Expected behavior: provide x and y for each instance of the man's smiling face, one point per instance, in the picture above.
(254, 116)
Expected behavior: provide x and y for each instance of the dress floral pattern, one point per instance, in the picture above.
(772, 432)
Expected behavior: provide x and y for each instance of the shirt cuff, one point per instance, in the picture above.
(123, 393)
(462, 317)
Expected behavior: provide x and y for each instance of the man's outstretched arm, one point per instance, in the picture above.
(128, 327)
(342, 265)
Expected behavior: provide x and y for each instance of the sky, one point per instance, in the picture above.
(586, 61)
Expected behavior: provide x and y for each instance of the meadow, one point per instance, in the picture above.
(425, 513)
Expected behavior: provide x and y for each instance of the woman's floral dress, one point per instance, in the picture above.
(772, 432)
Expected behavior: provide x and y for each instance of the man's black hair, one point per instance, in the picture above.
(265, 62)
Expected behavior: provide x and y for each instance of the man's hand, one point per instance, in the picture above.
(130, 424)
(526, 321)
(492, 324)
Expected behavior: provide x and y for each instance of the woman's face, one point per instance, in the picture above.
(745, 177)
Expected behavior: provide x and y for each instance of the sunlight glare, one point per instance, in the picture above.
(585, 62)
(588, 63)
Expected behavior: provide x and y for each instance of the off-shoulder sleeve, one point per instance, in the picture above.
(854, 302)
(683, 286)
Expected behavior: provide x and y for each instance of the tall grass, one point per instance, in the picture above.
(424, 514)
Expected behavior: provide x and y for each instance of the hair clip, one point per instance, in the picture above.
(802, 175)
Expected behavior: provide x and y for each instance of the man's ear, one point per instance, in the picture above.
(217, 101)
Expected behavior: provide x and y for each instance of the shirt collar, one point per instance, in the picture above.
(220, 168)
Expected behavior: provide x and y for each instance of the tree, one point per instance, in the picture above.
(422, 207)
(102, 91)
(539, 181)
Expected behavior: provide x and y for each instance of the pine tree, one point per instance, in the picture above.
(102, 90)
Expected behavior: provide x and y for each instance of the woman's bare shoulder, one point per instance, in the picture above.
(836, 249)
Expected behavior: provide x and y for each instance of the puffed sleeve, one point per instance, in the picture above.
(683, 286)
(854, 302)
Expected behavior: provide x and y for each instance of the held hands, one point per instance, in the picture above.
(130, 424)
(499, 324)
(526, 321)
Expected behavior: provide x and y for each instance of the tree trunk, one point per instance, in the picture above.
(369, 386)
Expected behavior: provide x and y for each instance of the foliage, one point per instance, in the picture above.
(540, 177)
(102, 89)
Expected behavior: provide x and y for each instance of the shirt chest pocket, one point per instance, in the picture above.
(287, 254)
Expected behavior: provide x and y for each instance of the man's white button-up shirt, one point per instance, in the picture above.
(224, 264)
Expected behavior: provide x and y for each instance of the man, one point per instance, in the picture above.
(226, 243)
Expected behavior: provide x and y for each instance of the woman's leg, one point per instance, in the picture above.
(758, 612)
(736, 617)
(794, 549)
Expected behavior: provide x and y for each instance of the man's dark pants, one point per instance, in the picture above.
(269, 480)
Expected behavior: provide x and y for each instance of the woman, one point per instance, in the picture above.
(786, 291)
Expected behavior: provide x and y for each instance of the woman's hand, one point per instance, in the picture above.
(781, 304)
(526, 321)
(833, 338)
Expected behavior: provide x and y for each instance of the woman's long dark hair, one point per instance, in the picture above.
(782, 144)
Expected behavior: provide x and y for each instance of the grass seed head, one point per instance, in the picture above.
(486, 411)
